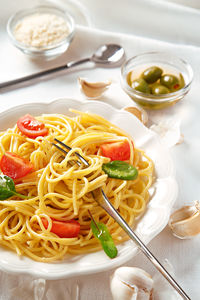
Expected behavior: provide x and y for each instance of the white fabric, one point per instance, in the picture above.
(127, 16)
(159, 19)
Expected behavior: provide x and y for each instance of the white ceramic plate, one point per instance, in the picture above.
(164, 193)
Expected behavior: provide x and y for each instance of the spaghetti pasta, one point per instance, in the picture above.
(60, 189)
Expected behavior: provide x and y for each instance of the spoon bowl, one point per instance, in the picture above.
(108, 54)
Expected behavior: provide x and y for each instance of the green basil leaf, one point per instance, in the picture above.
(7, 188)
(109, 248)
(102, 233)
(120, 170)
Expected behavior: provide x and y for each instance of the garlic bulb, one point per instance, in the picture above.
(140, 113)
(185, 222)
(93, 89)
(130, 283)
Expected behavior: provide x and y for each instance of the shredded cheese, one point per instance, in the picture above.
(41, 30)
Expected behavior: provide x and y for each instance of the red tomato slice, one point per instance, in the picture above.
(64, 229)
(31, 127)
(116, 151)
(15, 166)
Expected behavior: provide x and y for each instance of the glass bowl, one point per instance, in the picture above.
(170, 64)
(47, 41)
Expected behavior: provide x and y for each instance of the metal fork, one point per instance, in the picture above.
(103, 201)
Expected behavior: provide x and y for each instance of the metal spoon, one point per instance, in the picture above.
(107, 55)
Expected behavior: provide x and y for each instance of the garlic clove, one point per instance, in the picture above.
(140, 113)
(93, 89)
(185, 222)
(130, 283)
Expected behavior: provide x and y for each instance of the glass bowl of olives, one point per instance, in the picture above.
(156, 80)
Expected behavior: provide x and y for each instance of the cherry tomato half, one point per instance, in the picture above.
(15, 166)
(63, 229)
(31, 127)
(116, 151)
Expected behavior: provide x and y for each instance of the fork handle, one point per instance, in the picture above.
(116, 216)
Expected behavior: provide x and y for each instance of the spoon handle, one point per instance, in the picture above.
(105, 204)
(43, 73)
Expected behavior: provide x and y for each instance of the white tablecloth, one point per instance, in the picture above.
(139, 26)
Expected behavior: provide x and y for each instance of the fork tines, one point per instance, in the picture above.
(83, 160)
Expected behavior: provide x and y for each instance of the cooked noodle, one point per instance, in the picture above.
(60, 189)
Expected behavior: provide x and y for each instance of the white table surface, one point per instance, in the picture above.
(176, 25)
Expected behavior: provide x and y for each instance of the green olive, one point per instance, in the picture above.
(130, 78)
(181, 81)
(141, 86)
(158, 89)
(152, 74)
(170, 81)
